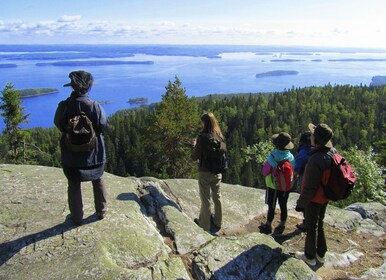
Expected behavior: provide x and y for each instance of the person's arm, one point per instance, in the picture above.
(196, 150)
(267, 169)
(103, 121)
(312, 178)
(60, 115)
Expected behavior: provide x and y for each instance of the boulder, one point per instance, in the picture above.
(252, 256)
(371, 210)
(342, 260)
(346, 220)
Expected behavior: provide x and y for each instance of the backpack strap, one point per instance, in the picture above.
(71, 108)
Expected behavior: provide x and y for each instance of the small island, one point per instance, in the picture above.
(138, 100)
(103, 102)
(378, 81)
(276, 73)
(287, 60)
(32, 92)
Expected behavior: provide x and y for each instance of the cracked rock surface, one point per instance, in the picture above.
(148, 233)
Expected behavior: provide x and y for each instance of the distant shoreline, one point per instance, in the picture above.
(93, 63)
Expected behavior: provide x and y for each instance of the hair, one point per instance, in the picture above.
(305, 138)
(211, 124)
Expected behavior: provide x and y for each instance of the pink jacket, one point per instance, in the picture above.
(268, 169)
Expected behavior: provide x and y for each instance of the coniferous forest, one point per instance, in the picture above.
(154, 140)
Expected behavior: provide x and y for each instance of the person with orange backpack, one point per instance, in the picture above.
(278, 171)
(82, 122)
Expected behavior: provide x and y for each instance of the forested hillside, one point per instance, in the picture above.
(134, 146)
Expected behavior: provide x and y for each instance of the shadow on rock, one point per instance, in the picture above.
(11, 248)
(281, 238)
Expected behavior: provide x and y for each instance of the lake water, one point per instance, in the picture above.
(203, 70)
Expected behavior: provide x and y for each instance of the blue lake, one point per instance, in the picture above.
(203, 70)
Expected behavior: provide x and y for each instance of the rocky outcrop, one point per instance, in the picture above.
(149, 232)
(38, 241)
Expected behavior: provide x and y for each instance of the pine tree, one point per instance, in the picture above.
(13, 115)
(171, 128)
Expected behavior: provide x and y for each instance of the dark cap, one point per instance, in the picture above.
(322, 133)
(80, 81)
(282, 141)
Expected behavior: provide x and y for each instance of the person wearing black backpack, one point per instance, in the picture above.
(209, 149)
(82, 121)
(312, 199)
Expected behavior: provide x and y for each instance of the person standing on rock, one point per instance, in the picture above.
(82, 121)
(301, 162)
(209, 149)
(279, 165)
(312, 199)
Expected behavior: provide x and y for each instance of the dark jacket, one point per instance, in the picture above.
(71, 107)
(302, 158)
(199, 152)
(316, 175)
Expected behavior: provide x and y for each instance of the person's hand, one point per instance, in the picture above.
(194, 142)
(299, 209)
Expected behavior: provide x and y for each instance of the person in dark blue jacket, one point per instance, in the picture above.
(304, 150)
(86, 165)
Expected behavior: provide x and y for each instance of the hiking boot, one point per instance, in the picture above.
(320, 259)
(265, 228)
(302, 256)
(301, 226)
(214, 227)
(279, 229)
(101, 215)
(197, 221)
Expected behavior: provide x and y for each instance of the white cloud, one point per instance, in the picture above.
(71, 28)
(67, 18)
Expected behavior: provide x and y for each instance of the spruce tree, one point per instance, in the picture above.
(14, 116)
(171, 129)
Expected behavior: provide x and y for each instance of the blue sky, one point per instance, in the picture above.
(343, 23)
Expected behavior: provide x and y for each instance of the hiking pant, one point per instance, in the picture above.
(315, 240)
(75, 199)
(271, 197)
(208, 183)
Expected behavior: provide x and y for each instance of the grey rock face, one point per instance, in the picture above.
(148, 233)
(39, 242)
(371, 210)
(253, 256)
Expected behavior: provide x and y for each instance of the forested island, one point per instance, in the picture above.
(276, 73)
(138, 100)
(378, 81)
(94, 63)
(32, 92)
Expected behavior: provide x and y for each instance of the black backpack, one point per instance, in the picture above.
(216, 154)
(79, 133)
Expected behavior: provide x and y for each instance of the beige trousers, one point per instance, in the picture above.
(210, 183)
